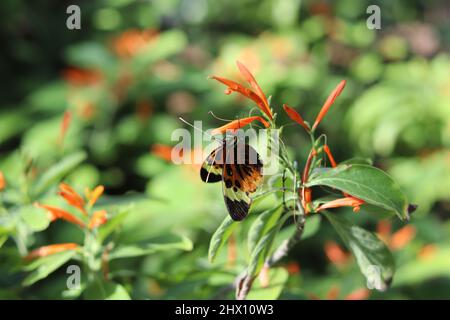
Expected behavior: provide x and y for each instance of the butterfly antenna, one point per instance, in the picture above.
(218, 118)
(211, 136)
(191, 125)
(250, 113)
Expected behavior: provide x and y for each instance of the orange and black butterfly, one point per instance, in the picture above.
(239, 168)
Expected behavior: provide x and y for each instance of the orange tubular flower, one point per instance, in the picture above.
(164, 152)
(258, 97)
(358, 294)
(51, 249)
(335, 254)
(326, 106)
(295, 116)
(348, 201)
(398, 239)
(311, 156)
(306, 192)
(334, 164)
(55, 213)
(131, 42)
(384, 230)
(306, 199)
(252, 81)
(72, 197)
(98, 218)
(427, 251)
(330, 156)
(94, 195)
(2, 181)
(82, 77)
(402, 237)
(64, 126)
(293, 268)
(237, 124)
(334, 292)
(171, 154)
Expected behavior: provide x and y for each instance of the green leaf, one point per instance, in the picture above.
(3, 239)
(42, 267)
(357, 160)
(312, 225)
(36, 219)
(89, 55)
(369, 209)
(379, 213)
(219, 237)
(112, 224)
(263, 223)
(372, 255)
(128, 251)
(105, 290)
(57, 172)
(8, 224)
(262, 249)
(169, 43)
(149, 165)
(48, 97)
(364, 182)
(277, 280)
(12, 123)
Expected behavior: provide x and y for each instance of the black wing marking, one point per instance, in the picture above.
(242, 174)
(211, 170)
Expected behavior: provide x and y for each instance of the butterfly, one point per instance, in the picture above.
(239, 168)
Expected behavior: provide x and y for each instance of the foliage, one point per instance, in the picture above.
(97, 107)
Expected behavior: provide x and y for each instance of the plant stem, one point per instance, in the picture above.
(243, 282)
(286, 245)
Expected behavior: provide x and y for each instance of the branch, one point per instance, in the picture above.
(285, 246)
(243, 282)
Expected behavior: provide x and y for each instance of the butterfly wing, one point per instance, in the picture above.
(211, 170)
(241, 178)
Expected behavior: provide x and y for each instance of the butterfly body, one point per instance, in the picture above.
(239, 168)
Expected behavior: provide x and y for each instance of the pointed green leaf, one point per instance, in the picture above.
(3, 239)
(129, 251)
(36, 219)
(219, 237)
(112, 224)
(262, 224)
(372, 255)
(57, 172)
(364, 182)
(263, 248)
(42, 267)
(312, 225)
(277, 280)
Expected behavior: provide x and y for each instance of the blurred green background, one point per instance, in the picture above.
(136, 66)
